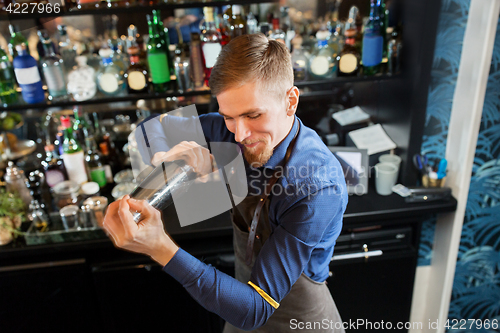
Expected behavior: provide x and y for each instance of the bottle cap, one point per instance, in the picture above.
(49, 148)
(322, 35)
(133, 50)
(104, 148)
(81, 60)
(90, 188)
(20, 47)
(105, 53)
(65, 122)
(236, 9)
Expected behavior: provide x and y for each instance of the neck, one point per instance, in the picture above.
(290, 126)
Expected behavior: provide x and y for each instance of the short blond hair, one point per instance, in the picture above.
(253, 58)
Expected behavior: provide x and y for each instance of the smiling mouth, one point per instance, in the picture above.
(251, 145)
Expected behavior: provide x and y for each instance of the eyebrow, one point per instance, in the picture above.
(244, 113)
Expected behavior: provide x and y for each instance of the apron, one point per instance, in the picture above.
(308, 301)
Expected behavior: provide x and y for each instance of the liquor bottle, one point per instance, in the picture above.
(53, 167)
(223, 28)
(136, 76)
(119, 58)
(28, 76)
(373, 42)
(80, 126)
(196, 61)
(300, 59)
(8, 94)
(81, 80)
(252, 24)
(181, 64)
(323, 62)
(16, 38)
(73, 156)
(286, 26)
(238, 24)
(394, 53)
(210, 42)
(53, 71)
(38, 217)
(103, 146)
(157, 59)
(277, 34)
(349, 57)
(336, 40)
(95, 163)
(355, 22)
(163, 33)
(109, 78)
(113, 156)
(66, 49)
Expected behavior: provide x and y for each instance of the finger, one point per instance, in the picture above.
(143, 207)
(129, 226)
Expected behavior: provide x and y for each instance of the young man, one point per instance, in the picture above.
(282, 263)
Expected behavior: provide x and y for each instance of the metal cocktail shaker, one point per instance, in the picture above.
(165, 181)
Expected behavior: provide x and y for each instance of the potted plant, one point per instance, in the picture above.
(12, 213)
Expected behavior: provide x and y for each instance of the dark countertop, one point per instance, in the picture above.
(215, 235)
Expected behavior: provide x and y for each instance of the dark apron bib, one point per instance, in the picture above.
(308, 301)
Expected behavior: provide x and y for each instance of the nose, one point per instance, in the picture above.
(242, 131)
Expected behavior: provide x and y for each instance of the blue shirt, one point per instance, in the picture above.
(305, 213)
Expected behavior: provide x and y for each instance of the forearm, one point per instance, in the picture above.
(236, 302)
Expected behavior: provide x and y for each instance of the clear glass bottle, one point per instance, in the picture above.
(66, 49)
(300, 59)
(8, 94)
(38, 217)
(53, 71)
(252, 24)
(109, 78)
(81, 80)
(323, 62)
(336, 40)
(277, 33)
(210, 42)
(182, 66)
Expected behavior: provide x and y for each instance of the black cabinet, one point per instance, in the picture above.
(140, 297)
(55, 296)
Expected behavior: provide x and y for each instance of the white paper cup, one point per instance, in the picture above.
(391, 159)
(386, 175)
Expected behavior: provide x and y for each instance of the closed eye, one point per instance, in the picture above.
(254, 117)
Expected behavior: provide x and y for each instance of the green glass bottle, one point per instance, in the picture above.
(73, 157)
(163, 32)
(8, 94)
(157, 59)
(16, 38)
(95, 162)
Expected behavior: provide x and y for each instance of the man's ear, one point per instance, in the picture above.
(293, 100)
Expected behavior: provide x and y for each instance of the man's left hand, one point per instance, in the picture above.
(147, 237)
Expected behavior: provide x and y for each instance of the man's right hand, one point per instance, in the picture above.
(196, 156)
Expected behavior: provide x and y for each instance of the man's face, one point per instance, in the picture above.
(258, 120)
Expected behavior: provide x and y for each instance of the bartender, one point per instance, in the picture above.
(284, 230)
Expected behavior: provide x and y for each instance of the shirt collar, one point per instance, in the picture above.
(280, 151)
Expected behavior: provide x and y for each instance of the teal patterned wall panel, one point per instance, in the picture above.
(476, 288)
(447, 54)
